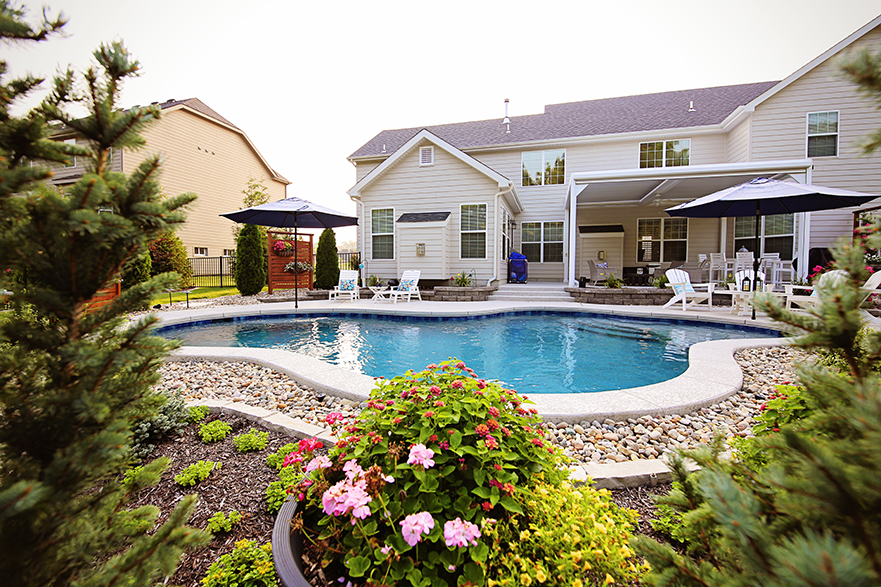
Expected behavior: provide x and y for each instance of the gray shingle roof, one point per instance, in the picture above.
(199, 106)
(590, 118)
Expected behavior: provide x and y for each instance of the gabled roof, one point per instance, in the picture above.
(505, 184)
(198, 107)
(837, 48)
(609, 116)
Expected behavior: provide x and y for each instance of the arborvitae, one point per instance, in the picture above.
(250, 265)
(73, 377)
(812, 515)
(138, 271)
(327, 261)
(167, 254)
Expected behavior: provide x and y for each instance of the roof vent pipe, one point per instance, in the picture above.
(691, 106)
(507, 121)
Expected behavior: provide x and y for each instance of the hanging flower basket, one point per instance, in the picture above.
(298, 267)
(283, 249)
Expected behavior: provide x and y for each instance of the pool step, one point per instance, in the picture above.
(531, 292)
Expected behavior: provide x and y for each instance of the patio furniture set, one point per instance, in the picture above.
(408, 287)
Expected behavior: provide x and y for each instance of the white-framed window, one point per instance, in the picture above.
(229, 252)
(200, 251)
(426, 156)
(73, 158)
(544, 167)
(507, 234)
(664, 153)
(822, 134)
(472, 231)
(542, 242)
(661, 240)
(382, 233)
(776, 234)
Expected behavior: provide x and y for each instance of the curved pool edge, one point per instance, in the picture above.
(711, 377)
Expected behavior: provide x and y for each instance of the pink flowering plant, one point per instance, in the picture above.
(405, 496)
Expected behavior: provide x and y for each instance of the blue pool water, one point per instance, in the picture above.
(532, 353)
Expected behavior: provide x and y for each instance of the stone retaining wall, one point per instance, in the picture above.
(446, 293)
(630, 296)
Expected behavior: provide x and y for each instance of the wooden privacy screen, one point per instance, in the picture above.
(105, 296)
(278, 278)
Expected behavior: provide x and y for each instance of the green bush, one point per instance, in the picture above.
(168, 254)
(278, 491)
(251, 441)
(196, 473)
(219, 522)
(138, 271)
(276, 459)
(613, 282)
(158, 424)
(197, 413)
(327, 261)
(248, 565)
(250, 275)
(214, 431)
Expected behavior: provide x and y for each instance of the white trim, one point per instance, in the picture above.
(485, 231)
(392, 233)
(198, 251)
(543, 167)
(71, 142)
(837, 133)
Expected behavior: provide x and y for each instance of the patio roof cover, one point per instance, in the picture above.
(640, 187)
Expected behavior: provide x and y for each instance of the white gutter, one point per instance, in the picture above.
(498, 234)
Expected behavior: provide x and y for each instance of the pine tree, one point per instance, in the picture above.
(864, 69)
(250, 273)
(327, 261)
(72, 378)
(168, 254)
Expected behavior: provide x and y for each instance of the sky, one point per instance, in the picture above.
(310, 82)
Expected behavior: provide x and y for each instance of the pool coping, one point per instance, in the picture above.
(712, 375)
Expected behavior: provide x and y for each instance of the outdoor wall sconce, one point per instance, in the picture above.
(420, 249)
(601, 255)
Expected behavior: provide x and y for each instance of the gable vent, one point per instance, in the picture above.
(426, 156)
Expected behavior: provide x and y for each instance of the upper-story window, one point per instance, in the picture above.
(473, 231)
(73, 158)
(544, 167)
(426, 156)
(823, 134)
(664, 153)
(382, 230)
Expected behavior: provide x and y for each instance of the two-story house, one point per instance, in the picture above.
(204, 153)
(591, 180)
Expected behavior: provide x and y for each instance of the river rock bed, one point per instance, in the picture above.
(609, 441)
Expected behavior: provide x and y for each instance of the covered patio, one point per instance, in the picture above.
(634, 199)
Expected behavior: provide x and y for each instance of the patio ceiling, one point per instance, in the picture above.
(640, 187)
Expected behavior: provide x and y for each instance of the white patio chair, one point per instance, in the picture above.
(409, 286)
(718, 266)
(347, 286)
(830, 278)
(684, 290)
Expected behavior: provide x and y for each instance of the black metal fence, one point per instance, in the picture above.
(220, 271)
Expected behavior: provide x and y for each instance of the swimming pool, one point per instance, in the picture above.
(533, 352)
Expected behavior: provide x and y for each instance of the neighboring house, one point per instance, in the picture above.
(204, 153)
(591, 180)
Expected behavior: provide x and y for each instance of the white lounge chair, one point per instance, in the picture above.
(409, 286)
(830, 278)
(347, 286)
(684, 290)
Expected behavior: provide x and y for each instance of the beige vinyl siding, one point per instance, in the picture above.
(738, 142)
(211, 160)
(436, 238)
(442, 187)
(779, 132)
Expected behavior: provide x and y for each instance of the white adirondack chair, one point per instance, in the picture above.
(408, 287)
(684, 290)
(347, 287)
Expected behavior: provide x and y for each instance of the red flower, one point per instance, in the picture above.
(487, 506)
(428, 414)
(537, 442)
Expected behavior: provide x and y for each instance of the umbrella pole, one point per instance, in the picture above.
(756, 256)
(296, 273)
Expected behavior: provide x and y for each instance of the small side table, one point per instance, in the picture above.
(380, 292)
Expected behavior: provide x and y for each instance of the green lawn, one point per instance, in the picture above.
(200, 293)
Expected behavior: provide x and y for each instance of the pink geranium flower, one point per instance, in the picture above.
(421, 455)
(459, 533)
(319, 462)
(415, 525)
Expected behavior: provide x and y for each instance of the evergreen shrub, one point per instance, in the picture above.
(250, 275)
(327, 261)
(168, 255)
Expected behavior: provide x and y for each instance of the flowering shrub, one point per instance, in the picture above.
(298, 267)
(462, 279)
(405, 496)
(282, 246)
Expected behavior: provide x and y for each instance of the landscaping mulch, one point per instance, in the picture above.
(241, 485)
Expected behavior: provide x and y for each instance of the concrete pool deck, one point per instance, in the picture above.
(712, 375)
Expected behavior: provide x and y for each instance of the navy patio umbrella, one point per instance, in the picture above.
(293, 213)
(767, 197)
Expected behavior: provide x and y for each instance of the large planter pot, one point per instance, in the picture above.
(285, 253)
(286, 548)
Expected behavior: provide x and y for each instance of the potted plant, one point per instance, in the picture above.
(461, 279)
(445, 478)
(283, 248)
(374, 281)
(298, 267)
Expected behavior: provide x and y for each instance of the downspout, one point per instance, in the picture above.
(361, 246)
(497, 239)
